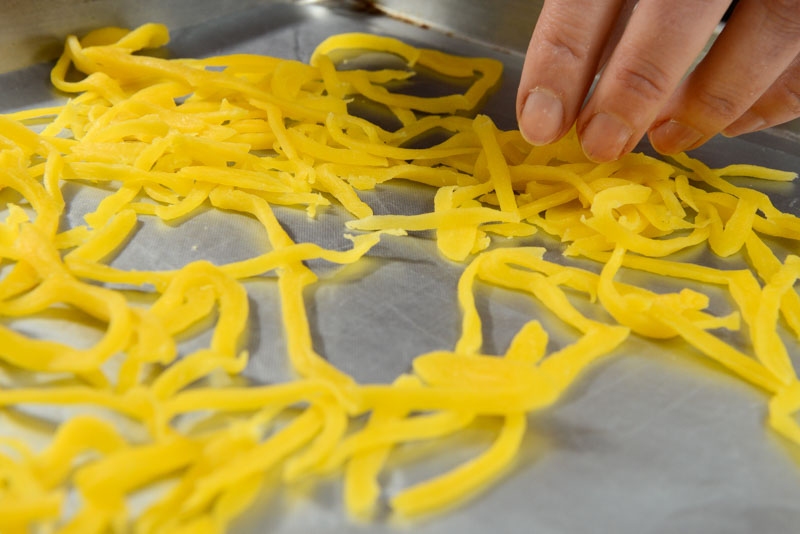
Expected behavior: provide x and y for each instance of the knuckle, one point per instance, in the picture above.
(566, 46)
(563, 36)
(644, 79)
(791, 92)
(782, 99)
(784, 14)
(717, 103)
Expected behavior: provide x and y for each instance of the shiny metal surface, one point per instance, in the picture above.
(33, 30)
(507, 24)
(652, 440)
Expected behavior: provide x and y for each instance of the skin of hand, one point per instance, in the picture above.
(644, 52)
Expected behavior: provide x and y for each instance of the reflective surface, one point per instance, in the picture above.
(33, 30)
(507, 24)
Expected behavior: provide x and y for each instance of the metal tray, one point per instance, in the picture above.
(653, 439)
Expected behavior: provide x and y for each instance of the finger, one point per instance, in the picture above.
(560, 65)
(758, 44)
(779, 104)
(615, 35)
(659, 45)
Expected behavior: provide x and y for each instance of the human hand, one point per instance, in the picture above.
(749, 79)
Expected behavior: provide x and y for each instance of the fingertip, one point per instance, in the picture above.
(605, 137)
(749, 122)
(541, 119)
(673, 136)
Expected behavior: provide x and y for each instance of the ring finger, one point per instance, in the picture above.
(779, 104)
(758, 44)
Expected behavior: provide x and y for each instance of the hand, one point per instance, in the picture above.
(749, 80)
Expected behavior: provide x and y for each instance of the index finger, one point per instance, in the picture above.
(560, 65)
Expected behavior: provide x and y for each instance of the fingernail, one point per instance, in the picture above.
(542, 117)
(605, 137)
(749, 122)
(672, 137)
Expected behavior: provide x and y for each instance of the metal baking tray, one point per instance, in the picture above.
(653, 439)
